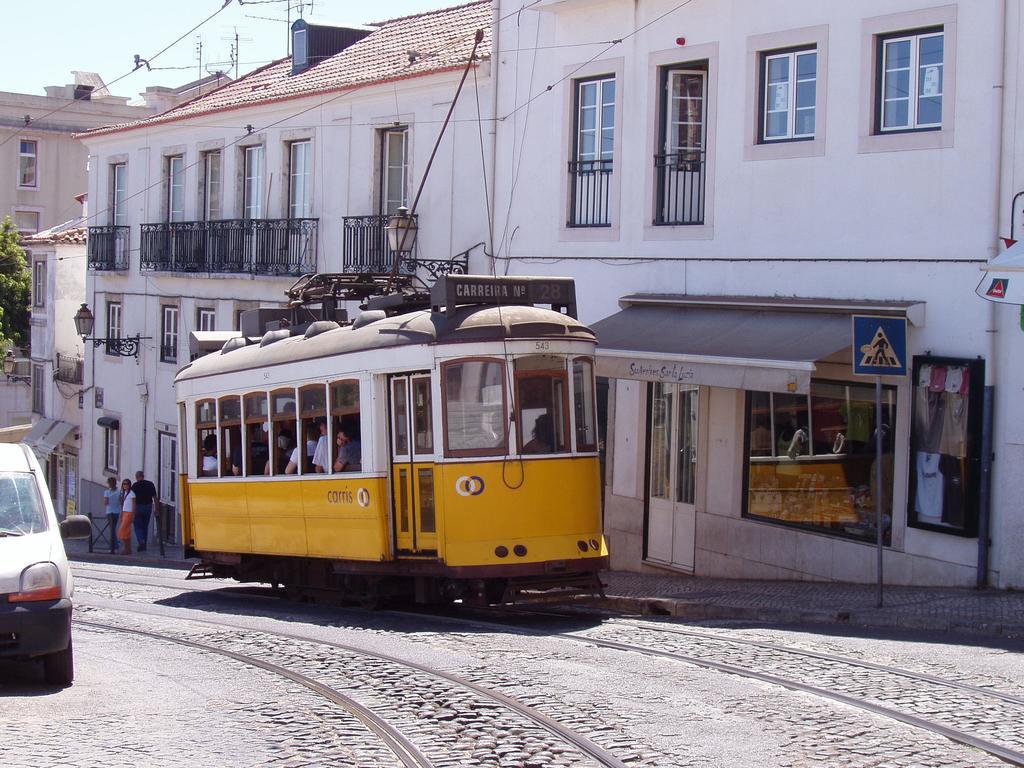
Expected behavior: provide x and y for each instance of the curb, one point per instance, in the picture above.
(115, 559)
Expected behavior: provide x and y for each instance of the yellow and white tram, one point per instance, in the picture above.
(467, 467)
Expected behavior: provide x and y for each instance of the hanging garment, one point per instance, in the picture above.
(928, 420)
(938, 382)
(954, 379)
(953, 501)
(930, 488)
(954, 426)
(924, 376)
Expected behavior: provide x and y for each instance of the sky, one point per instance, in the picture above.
(108, 33)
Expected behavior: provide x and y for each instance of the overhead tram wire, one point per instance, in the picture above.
(137, 67)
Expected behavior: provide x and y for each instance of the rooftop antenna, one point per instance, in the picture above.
(199, 54)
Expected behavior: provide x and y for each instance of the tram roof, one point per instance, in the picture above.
(486, 323)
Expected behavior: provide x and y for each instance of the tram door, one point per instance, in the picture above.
(672, 513)
(412, 464)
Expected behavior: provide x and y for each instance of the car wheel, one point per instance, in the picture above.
(59, 667)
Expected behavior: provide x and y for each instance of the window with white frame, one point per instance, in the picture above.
(119, 194)
(394, 170)
(113, 323)
(211, 189)
(910, 81)
(169, 334)
(39, 284)
(28, 164)
(252, 188)
(789, 82)
(26, 222)
(590, 169)
(112, 449)
(38, 382)
(300, 174)
(206, 319)
(176, 188)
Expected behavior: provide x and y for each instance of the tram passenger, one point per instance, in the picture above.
(543, 432)
(349, 458)
(210, 456)
(320, 457)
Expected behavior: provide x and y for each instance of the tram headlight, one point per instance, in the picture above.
(520, 550)
(501, 551)
(595, 545)
(582, 545)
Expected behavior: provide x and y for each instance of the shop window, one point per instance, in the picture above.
(945, 451)
(347, 446)
(230, 463)
(284, 452)
(206, 438)
(257, 429)
(474, 408)
(541, 404)
(811, 459)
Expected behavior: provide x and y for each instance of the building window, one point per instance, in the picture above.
(113, 324)
(28, 164)
(590, 170)
(211, 189)
(26, 222)
(39, 284)
(169, 335)
(789, 82)
(910, 81)
(945, 449)
(679, 166)
(206, 319)
(252, 192)
(811, 459)
(300, 174)
(38, 381)
(119, 194)
(394, 170)
(176, 188)
(112, 448)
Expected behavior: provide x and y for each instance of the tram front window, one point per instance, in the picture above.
(541, 404)
(474, 408)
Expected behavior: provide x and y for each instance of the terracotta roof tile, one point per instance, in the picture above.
(443, 38)
(68, 233)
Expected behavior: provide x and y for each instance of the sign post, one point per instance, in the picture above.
(879, 349)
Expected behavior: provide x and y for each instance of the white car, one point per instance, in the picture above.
(35, 581)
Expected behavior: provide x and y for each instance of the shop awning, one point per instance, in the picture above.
(767, 345)
(204, 342)
(58, 434)
(35, 434)
(1003, 281)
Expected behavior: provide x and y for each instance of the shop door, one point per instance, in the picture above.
(672, 515)
(412, 464)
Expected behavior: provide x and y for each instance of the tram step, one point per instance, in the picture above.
(201, 571)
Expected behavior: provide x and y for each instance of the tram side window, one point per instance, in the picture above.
(347, 450)
(257, 427)
(313, 415)
(284, 453)
(230, 437)
(474, 408)
(206, 438)
(584, 405)
(541, 393)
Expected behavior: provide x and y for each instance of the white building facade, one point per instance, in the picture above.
(729, 184)
(218, 206)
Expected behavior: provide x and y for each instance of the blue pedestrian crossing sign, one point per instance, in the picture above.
(879, 345)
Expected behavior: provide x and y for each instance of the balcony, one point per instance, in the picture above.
(590, 185)
(365, 249)
(107, 248)
(680, 180)
(233, 246)
(68, 369)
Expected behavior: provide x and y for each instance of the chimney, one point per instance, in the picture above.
(312, 43)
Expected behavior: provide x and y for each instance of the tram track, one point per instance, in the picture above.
(403, 748)
(587, 748)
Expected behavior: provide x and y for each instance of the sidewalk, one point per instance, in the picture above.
(991, 613)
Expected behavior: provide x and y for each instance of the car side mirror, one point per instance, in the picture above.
(75, 527)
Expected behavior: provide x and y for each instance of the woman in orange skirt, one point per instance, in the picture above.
(124, 524)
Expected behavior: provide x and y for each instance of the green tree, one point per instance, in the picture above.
(15, 288)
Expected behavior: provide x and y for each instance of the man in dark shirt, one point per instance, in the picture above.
(145, 498)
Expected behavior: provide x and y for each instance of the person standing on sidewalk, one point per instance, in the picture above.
(113, 500)
(145, 498)
(124, 528)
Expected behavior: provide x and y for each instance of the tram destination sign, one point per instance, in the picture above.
(454, 290)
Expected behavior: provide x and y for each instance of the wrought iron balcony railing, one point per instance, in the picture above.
(366, 250)
(69, 369)
(680, 180)
(241, 246)
(590, 183)
(107, 247)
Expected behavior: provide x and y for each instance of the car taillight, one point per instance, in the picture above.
(38, 582)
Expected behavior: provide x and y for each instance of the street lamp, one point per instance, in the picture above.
(121, 347)
(10, 363)
(402, 229)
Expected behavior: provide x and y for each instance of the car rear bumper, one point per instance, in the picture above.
(34, 629)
